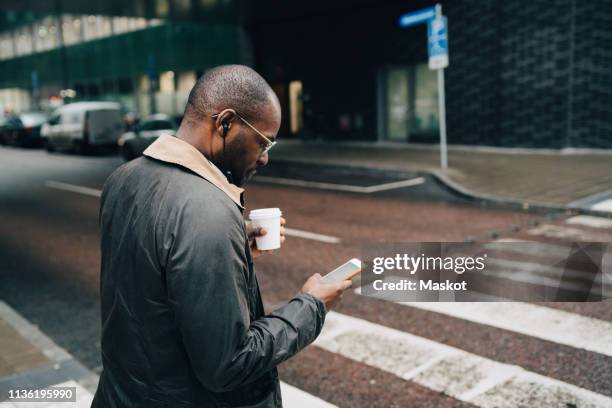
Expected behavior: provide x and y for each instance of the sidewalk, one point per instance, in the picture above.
(29, 360)
(526, 175)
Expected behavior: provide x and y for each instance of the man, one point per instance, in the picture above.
(183, 323)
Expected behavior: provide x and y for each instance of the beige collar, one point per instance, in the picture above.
(174, 150)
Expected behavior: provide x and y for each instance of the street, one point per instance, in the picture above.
(372, 353)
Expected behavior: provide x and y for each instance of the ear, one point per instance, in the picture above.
(223, 120)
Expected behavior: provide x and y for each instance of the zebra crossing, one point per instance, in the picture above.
(459, 374)
(469, 377)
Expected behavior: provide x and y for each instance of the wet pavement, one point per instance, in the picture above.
(49, 244)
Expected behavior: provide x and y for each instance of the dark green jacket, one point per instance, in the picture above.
(183, 323)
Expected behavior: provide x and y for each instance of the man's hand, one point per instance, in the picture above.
(329, 293)
(260, 232)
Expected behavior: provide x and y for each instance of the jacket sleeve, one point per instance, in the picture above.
(207, 286)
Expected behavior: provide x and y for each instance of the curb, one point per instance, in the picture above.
(455, 188)
(510, 203)
(62, 366)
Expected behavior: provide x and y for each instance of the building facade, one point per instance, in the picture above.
(147, 65)
(532, 73)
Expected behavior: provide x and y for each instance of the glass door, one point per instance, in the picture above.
(409, 109)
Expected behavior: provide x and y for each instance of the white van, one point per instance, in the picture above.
(83, 126)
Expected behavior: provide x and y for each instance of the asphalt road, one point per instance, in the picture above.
(373, 353)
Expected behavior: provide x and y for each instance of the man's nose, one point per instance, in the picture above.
(263, 159)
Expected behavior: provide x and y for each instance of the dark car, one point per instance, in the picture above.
(132, 144)
(24, 129)
(3, 120)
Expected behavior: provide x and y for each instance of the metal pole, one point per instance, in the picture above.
(570, 77)
(63, 59)
(442, 108)
(442, 114)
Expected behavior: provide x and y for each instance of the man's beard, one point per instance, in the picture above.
(235, 153)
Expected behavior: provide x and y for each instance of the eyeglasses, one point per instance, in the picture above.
(268, 144)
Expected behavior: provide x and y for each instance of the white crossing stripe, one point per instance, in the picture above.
(544, 275)
(295, 398)
(73, 188)
(605, 205)
(537, 248)
(555, 231)
(590, 221)
(457, 373)
(542, 322)
(342, 187)
(98, 193)
(328, 239)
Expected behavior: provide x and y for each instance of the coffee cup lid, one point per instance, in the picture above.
(265, 213)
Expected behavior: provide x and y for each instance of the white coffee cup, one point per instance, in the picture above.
(268, 218)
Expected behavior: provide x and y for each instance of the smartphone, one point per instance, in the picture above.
(344, 272)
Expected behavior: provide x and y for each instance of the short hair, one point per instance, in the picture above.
(235, 87)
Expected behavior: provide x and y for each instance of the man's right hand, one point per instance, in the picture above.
(329, 293)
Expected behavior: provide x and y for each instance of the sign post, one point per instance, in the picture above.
(437, 50)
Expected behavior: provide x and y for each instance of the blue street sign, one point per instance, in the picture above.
(152, 67)
(437, 43)
(34, 79)
(417, 17)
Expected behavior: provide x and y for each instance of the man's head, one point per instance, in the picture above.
(232, 106)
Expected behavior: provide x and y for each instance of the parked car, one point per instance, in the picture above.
(23, 129)
(83, 127)
(132, 144)
(3, 120)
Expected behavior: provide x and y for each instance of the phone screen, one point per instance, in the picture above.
(342, 272)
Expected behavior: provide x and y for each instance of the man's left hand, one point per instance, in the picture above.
(260, 232)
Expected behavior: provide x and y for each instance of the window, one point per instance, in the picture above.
(72, 29)
(71, 117)
(54, 120)
(49, 32)
(409, 109)
(46, 34)
(296, 107)
(105, 26)
(121, 25)
(6, 46)
(166, 82)
(24, 40)
(90, 27)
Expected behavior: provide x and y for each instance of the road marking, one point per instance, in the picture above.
(342, 187)
(539, 249)
(555, 231)
(554, 325)
(538, 274)
(98, 193)
(605, 205)
(590, 221)
(454, 372)
(328, 239)
(84, 398)
(542, 322)
(294, 397)
(73, 188)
